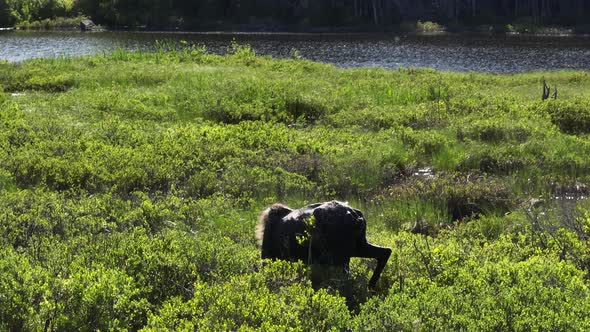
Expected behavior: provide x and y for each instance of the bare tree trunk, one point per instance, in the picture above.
(375, 17)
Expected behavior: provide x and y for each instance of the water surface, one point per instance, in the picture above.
(482, 53)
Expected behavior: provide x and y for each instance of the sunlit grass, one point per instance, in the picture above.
(137, 177)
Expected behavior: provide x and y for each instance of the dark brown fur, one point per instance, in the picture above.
(338, 232)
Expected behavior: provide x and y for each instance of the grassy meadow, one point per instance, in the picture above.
(130, 185)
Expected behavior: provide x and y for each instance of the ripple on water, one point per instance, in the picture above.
(502, 54)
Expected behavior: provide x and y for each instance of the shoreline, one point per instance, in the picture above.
(83, 23)
(307, 33)
(447, 51)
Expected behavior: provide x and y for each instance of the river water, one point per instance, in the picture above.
(481, 53)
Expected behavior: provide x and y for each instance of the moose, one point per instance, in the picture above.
(325, 234)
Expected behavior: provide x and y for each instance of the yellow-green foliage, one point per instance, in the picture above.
(130, 185)
(429, 26)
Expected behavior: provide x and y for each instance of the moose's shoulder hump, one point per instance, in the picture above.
(302, 213)
(335, 207)
(338, 214)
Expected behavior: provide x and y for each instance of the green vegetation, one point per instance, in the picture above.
(429, 26)
(302, 15)
(55, 23)
(22, 12)
(130, 185)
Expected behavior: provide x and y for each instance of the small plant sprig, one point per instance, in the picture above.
(310, 226)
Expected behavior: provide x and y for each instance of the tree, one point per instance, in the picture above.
(205, 13)
(6, 17)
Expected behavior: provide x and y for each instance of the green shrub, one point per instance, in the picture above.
(460, 196)
(22, 287)
(425, 143)
(96, 298)
(528, 295)
(572, 117)
(248, 303)
(500, 161)
(53, 23)
(494, 131)
(306, 108)
(428, 26)
(429, 116)
(53, 84)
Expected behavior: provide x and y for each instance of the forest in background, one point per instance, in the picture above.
(299, 14)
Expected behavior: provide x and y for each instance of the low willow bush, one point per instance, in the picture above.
(458, 196)
(494, 131)
(278, 297)
(572, 117)
(131, 184)
(536, 294)
(428, 26)
(54, 23)
(35, 80)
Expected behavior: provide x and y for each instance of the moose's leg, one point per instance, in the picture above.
(346, 266)
(381, 254)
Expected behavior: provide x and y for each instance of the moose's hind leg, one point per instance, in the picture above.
(381, 254)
